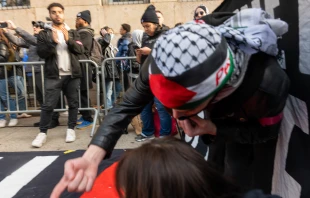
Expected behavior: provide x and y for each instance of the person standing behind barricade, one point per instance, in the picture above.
(60, 46)
(108, 52)
(153, 29)
(82, 24)
(4, 93)
(26, 40)
(136, 43)
(122, 46)
(16, 78)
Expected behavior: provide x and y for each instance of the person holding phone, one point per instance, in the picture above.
(153, 29)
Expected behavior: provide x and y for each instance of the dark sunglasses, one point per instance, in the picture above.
(36, 26)
(201, 13)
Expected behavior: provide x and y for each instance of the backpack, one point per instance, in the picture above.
(108, 67)
(95, 52)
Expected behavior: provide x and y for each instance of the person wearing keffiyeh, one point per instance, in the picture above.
(220, 78)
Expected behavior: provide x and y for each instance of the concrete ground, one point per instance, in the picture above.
(19, 138)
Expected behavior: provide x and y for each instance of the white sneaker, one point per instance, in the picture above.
(70, 137)
(13, 122)
(2, 123)
(39, 140)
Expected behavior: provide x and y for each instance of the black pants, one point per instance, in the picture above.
(86, 114)
(249, 165)
(39, 94)
(53, 88)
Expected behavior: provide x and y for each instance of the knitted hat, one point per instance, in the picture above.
(188, 65)
(85, 15)
(150, 15)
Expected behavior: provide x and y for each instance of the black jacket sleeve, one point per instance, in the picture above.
(135, 98)
(75, 45)
(87, 40)
(46, 47)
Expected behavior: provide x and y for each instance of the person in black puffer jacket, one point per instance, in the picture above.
(153, 30)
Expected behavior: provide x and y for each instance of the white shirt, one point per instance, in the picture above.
(63, 56)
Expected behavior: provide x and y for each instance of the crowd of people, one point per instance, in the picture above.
(211, 66)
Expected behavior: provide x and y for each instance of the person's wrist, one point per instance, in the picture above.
(94, 154)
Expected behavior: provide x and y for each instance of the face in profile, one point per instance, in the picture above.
(149, 28)
(199, 13)
(57, 15)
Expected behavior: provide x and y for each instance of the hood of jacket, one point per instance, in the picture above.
(88, 29)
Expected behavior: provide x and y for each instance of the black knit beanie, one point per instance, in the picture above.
(85, 15)
(150, 15)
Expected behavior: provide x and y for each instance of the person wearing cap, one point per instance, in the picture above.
(222, 85)
(200, 11)
(153, 29)
(82, 24)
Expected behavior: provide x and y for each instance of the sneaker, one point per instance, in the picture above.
(24, 115)
(2, 123)
(13, 122)
(84, 124)
(53, 124)
(70, 137)
(80, 120)
(39, 140)
(141, 138)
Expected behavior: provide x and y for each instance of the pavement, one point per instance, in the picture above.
(19, 138)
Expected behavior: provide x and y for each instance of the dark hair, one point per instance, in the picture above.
(178, 24)
(106, 28)
(55, 5)
(168, 167)
(126, 27)
(158, 11)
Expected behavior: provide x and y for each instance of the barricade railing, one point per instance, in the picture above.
(114, 67)
(17, 67)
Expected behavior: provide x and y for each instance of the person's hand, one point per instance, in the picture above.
(80, 173)
(144, 51)
(11, 25)
(55, 36)
(197, 126)
(66, 33)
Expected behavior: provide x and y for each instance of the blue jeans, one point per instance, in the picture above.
(4, 102)
(148, 128)
(20, 90)
(109, 91)
(118, 89)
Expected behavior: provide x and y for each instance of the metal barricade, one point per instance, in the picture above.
(103, 83)
(20, 65)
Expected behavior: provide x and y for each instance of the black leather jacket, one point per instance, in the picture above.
(46, 49)
(262, 94)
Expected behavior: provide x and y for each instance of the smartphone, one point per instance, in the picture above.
(3, 25)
